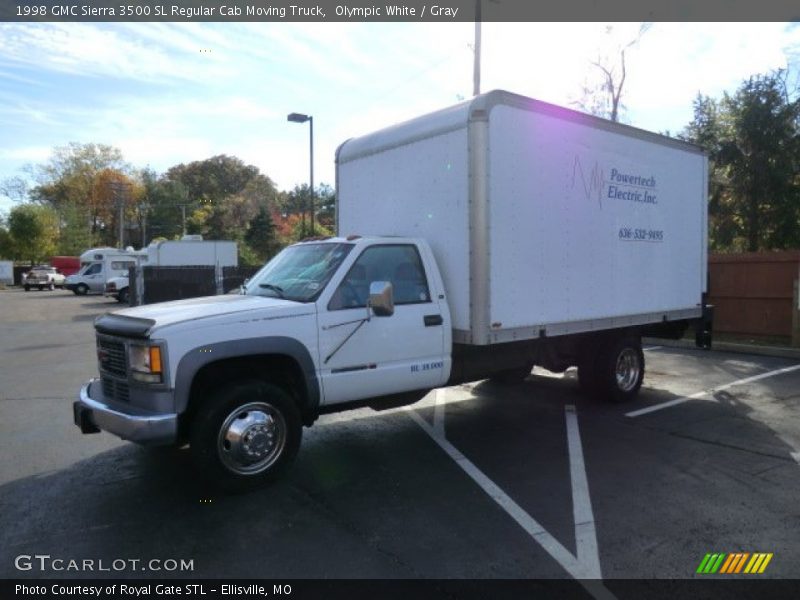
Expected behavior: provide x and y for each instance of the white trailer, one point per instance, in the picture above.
(188, 252)
(191, 252)
(544, 221)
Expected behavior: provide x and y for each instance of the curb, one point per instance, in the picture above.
(775, 351)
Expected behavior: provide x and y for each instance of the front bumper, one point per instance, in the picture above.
(93, 414)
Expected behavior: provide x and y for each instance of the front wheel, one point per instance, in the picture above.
(82, 289)
(27, 287)
(122, 297)
(245, 435)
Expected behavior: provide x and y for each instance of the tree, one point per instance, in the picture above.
(5, 240)
(75, 181)
(326, 206)
(602, 91)
(753, 141)
(225, 193)
(261, 236)
(33, 232)
(160, 211)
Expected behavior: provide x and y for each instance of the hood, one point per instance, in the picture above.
(163, 314)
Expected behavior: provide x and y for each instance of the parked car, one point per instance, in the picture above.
(44, 277)
(117, 288)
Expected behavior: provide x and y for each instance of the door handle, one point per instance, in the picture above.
(432, 320)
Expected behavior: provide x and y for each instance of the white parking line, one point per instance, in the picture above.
(652, 348)
(584, 567)
(656, 407)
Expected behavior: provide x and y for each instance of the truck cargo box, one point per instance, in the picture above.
(544, 221)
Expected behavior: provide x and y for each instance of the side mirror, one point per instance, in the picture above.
(381, 298)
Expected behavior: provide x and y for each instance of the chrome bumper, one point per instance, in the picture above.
(92, 415)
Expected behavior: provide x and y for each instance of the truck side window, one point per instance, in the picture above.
(398, 263)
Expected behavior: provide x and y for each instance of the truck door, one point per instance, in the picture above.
(385, 355)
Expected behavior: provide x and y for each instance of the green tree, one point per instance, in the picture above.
(261, 235)
(753, 141)
(5, 240)
(33, 232)
(325, 203)
(162, 203)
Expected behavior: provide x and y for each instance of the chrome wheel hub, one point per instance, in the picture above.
(252, 438)
(628, 369)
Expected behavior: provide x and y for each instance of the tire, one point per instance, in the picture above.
(245, 435)
(512, 376)
(122, 297)
(27, 287)
(619, 370)
(82, 289)
(52, 286)
(41, 287)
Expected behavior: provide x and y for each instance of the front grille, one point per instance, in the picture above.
(112, 356)
(114, 389)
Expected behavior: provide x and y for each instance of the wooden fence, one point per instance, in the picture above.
(755, 294)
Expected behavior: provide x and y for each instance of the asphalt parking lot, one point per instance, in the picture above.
(476, 481)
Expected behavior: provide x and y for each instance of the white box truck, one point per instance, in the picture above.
(474, 242)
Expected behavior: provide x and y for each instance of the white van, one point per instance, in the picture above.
(98, 265)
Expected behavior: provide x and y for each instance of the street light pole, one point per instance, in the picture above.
(301, 118)
(311, 161)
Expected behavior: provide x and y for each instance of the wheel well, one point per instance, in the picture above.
(279, 369)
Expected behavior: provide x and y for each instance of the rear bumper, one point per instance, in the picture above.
(92, 414)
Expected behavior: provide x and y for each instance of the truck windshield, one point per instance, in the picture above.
(299, 272)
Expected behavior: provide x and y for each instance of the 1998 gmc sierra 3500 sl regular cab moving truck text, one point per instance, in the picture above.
(498, 234)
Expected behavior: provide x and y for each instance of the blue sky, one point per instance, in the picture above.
(168, 93)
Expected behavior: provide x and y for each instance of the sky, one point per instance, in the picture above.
(170, 93)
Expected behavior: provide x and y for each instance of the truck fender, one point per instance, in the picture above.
(194, 360)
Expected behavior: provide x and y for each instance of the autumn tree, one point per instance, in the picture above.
(75, 181)
(225, 193)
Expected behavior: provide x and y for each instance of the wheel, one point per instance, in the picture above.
(52, 286)
(122, 297)
(27, 287)
(620, 370)
(41, 287)
(245, 435)
(82, 289)
(512, 376)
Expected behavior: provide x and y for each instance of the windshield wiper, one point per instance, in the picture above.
(273, 288)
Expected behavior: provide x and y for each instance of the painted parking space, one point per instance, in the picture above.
(475, 481)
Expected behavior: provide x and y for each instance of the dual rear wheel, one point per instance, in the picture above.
(613, 371)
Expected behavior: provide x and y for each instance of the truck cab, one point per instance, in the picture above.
(325, 325)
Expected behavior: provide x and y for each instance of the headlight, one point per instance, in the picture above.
(145, 363)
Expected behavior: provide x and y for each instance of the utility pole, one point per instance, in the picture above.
(119, 188)
(183, 217)
(476, 65)
(144, 208)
